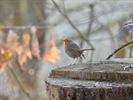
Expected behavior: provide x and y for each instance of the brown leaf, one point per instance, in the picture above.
(26, 39)
(23, 54)
(27, 53)
(36, 54)
(23, 50)
(34, 44)
(53, 54)
(6, 54)
(22, 59)
(19, 49)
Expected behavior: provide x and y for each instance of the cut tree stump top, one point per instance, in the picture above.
(105, 80)
(98, 71)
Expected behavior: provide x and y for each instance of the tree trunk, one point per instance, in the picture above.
(105, 80)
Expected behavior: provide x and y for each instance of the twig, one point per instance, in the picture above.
(18, 81)
(91, 18)
(64, 7)
(70, 22)
(123, 46)
(110, 24)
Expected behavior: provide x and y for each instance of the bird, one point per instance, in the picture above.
(73, 50)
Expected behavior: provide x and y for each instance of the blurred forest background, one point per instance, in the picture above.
(31, 34)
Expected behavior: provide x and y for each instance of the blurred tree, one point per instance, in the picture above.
(23, 13)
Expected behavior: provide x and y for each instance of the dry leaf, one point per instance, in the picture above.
(36, 54)
(27, 53)
(23, 51)
(26, 48)
(6, 54)
(19, 49)
(34, 43)
(22, 59)
(26, 39)
(53, 54)
(23, 54)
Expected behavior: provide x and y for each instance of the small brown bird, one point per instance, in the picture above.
(73, 50)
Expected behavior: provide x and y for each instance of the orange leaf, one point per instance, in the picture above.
(36, 54)
(22, 59)
(23, 53)
(27, 53)
(52, 55)
(2, 66)
(19, 49)
(26, 39)
(6, 54)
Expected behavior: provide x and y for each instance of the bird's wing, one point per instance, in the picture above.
(73, 52)
(74, 46)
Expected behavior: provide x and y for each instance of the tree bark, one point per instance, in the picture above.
(105, 80)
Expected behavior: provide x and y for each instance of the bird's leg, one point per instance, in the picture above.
(73, 61)
(82, 56)
(77, 60)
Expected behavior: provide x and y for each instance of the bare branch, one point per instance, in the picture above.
(72, 25)
(123, 46)
(91, 18)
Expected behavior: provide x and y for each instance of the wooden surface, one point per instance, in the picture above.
(106, 80)
(103, 71)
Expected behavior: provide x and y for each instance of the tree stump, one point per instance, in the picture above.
(105, 80)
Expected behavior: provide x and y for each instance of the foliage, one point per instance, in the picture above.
(25, 47)
(52, 55)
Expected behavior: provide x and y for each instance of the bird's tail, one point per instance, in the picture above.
(86, 49)
(82, 55)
